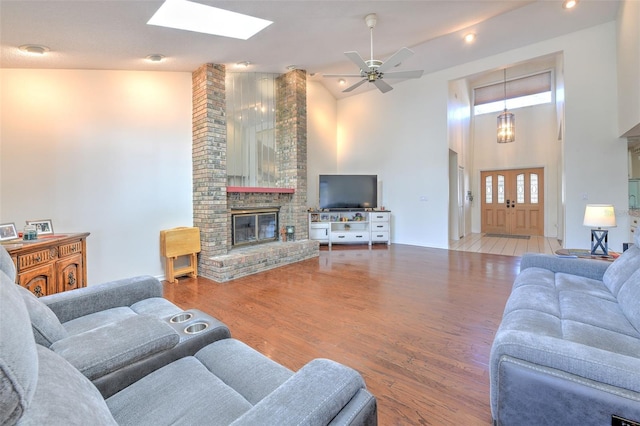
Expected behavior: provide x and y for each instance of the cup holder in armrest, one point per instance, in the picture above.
(196, 328)
(182, 317)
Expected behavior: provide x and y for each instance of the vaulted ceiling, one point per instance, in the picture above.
(308, 34)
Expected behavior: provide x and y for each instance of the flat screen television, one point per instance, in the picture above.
(343, 192)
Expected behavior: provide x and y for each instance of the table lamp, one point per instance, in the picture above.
(599, 216)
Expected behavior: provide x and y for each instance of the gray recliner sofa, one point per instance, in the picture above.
(117, 332)
(225, 383)
(568, 347)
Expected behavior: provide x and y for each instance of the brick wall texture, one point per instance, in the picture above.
(212, 205)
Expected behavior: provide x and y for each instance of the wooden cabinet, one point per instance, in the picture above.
(50, 264)
(350, 227)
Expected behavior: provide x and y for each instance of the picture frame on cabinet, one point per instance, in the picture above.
(43, 226)
(8, 231)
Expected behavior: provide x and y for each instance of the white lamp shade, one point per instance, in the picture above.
(599, 216)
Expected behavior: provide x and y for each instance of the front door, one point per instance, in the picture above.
(513, 201)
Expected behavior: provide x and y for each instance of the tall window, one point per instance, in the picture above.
(251, 123)
(521, 92)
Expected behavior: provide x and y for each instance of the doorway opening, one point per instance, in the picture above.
(512, 201)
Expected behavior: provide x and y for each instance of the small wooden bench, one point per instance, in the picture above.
(176, 242)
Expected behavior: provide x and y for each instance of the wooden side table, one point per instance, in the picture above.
(180, 242)
(586, 254)
(51, 264)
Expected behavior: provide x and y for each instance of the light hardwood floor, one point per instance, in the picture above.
(416, 322)
(480, 243)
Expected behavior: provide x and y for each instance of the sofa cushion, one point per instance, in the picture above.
(98, 319)
(183, 392)
(629, 299)
(18, 357)
(250, 373)
(155, 306)
(6, 264)
(621, 269)
(64, 396)
(45, 324)
(312, 396)
(105, 349)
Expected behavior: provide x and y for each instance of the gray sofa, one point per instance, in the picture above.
(115, 333)
(568, 348)
(224, 383)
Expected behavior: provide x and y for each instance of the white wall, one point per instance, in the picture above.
(402, 136)
(629, 67)
(535, 146)
(595, 159)
(105, 152)
(459, 128)
(321, 137)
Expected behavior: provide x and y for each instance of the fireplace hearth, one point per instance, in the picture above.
(254, 226)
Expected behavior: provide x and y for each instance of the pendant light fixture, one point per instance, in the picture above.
(506, 120)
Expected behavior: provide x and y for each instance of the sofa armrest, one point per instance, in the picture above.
(313, 395)
(589, 268)
(73, 304)
(105, 349)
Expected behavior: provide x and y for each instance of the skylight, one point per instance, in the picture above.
(190, 16)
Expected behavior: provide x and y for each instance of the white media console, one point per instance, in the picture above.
(343, 227)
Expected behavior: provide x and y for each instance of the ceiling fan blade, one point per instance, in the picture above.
(357, 59)
(342, 75)
(383, 86)
(394, 60)
(358, 84)
(404, 74)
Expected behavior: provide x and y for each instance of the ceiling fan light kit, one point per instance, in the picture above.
(374, 70)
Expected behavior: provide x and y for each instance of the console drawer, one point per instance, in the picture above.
(380, 236)
(379, 217)
(379, 226)
(349, 237)
(34, 259)
(69, 249)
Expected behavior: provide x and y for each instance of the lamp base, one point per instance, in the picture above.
(599, 239)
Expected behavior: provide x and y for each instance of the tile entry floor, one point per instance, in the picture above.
(480, 243)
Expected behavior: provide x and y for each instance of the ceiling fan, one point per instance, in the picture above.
(373, 70)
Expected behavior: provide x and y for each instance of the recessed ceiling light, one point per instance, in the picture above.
(342, 82)
(243, 64)
(34, 49)
(156, 57)
(470, 37)
(190, 16)
(292, 67)
(569, 4)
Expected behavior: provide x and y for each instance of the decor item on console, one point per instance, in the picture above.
(43, 226)
(568, 347)
(8, 231)
(599, 216)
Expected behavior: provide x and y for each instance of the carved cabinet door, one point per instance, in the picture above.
(69, 273)
(38, 280)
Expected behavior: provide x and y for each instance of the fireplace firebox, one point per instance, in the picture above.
(254, 226)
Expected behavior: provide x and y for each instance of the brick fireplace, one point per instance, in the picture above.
(213, 201)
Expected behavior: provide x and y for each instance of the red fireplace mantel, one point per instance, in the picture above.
(260, 189)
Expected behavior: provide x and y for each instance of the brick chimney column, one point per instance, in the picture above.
(209, 156)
